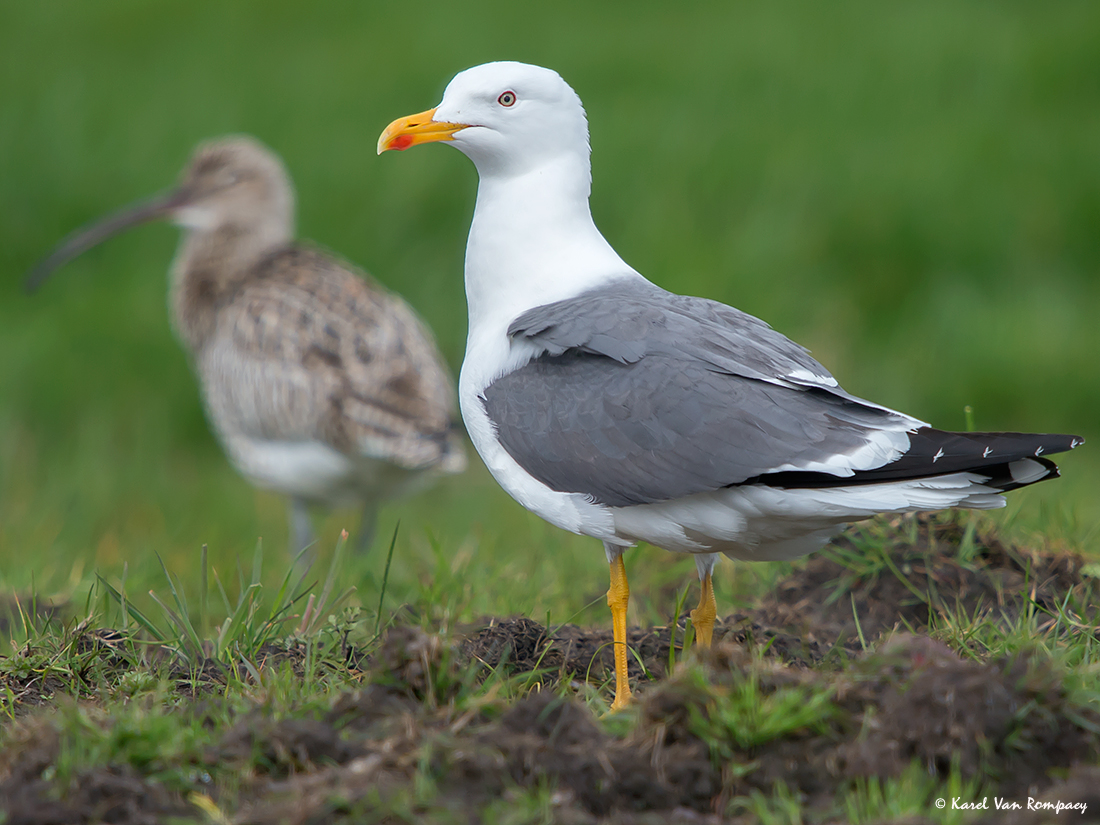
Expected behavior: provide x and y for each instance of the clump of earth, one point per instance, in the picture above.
(846, 644)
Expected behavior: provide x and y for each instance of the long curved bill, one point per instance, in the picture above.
(416, 129)
(98, 231)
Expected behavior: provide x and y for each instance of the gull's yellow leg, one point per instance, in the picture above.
(618, 595)
(702, 617)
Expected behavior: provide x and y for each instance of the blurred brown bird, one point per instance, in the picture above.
(318, 382)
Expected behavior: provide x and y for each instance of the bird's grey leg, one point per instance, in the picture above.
(301, 526)
(367, 525)
(702, 617)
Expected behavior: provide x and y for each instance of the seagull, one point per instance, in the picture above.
(318, 383)
(617, 410)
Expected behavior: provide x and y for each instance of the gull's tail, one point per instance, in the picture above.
(1006, 461)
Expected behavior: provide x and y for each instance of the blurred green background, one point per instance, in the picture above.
(911, 190)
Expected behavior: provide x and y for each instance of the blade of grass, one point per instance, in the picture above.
(385, 580)
(23, 618)
(221, 591)
(859, 627)
(184, 618)
(674, 625)
(125, 618)
(337, 558)
(133, 612)
(184, 638)
(257, 561)
(204, 586)
(232, 627)
(901, 577)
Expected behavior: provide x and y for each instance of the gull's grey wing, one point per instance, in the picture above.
(632, 318)
(643, 396)
(307, 346)
(664, 427)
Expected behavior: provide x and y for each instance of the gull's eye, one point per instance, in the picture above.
(507, 99)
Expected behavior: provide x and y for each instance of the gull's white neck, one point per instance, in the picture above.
(532, 242)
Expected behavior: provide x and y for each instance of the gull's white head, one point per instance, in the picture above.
(508, 118)
(532, 239)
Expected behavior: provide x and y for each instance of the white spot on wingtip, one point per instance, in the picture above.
(1038, 450)
(1073, 443)
(937, 456)
(803, 375)
(986, 452)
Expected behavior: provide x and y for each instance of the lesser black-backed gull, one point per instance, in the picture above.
(617, 410)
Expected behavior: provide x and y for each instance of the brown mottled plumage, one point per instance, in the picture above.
(318, 382)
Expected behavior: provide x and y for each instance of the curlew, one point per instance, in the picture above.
(318, 383)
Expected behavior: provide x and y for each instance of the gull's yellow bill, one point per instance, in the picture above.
(416, 129)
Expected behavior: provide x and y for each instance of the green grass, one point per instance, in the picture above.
(911, 191)
(198, 705)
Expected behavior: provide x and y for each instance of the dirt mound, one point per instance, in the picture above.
(900, 574)
(555, 742)
(523, 645)
(720, 730)
(818, 688)
(283, 747)
(118, 794)
(907, 571)
(715, 733)
(1010, 722)
(115, 794)
(1076, 798)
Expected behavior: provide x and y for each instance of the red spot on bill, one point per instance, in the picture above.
(401, 142)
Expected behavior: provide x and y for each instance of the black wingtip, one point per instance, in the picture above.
(938, 452)
(1049, 444)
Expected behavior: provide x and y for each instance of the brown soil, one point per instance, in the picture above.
(113, 794)
(810, 615)
(913, 700)
(924, 579)
(1080, 788)
(402, 750)
(31, 690)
